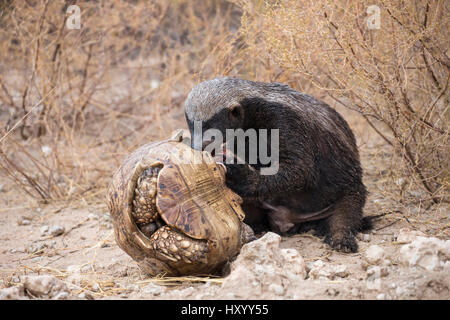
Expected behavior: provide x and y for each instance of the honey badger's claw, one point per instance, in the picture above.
(176, 246)
(345, 242)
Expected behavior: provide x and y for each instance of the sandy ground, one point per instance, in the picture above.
(87, 258)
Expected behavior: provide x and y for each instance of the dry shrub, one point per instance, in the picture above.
(73, 103)
(396, 77)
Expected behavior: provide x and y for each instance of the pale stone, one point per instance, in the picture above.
(374, 254)
(43, 285)
(426, 252)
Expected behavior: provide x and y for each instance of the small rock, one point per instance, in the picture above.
(406, 291)
(376, 272)
(400, 291)
(184, 292)
(230, 295)
(319, 270)
(199, 296)
(154, 84)
(24, 222)
(92, 216)
(292, 258)
(446, 267)
(2, 188)
(56, 231)
(86, 268)
(406, 235)
(426, 252)
(95, 287)
(61, 296)
(355, 292)
(106, 225)
(315, 268)
(46, 150)
(73, 269)
(374, 254)
(153, 289)
(132, 287)
(44, 230)
(13, 293)
(381, 296)
(277, 289)
(332, 292)
(36, 248)
(52, 244)
(43, 285)
(264, 270)
(340, 271)
(89, 296)
(386, 262)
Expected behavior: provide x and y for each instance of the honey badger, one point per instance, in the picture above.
(319, 175)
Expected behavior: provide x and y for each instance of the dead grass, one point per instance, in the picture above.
(397, 77)
(75, 102)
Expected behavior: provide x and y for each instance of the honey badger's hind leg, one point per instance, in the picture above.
(255, 216)
(341, 227)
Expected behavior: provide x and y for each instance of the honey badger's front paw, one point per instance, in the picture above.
(239, 179)
(343, 242)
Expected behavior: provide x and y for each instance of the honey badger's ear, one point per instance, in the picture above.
(236, 112)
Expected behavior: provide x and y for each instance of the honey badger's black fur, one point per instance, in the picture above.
(319, 160)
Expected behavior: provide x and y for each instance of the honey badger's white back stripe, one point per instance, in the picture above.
(210, 97)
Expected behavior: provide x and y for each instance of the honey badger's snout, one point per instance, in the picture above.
(201, 144)
(217, 148)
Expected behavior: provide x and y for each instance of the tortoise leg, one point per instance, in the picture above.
(144, 211)
(176, 246)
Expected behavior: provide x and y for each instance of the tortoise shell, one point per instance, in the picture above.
(201, 219)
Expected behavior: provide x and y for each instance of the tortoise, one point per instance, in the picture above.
(172, 212)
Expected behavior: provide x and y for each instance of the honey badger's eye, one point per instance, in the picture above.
(236, 112)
